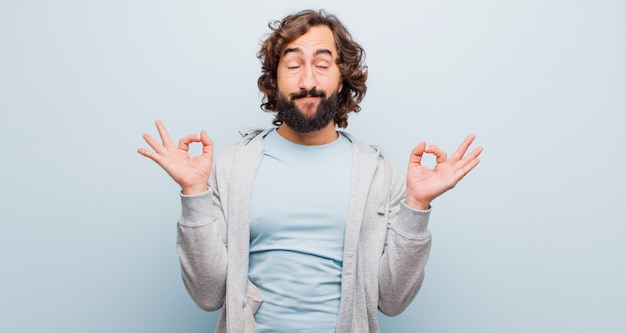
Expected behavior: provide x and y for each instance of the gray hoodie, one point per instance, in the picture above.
(386, 243)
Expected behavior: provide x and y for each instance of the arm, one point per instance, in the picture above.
(201, 228)
(407, 247)
(202, 239)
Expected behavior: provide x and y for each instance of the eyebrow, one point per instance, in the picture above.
(299, 50)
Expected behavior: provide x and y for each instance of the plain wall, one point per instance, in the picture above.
(531, 241)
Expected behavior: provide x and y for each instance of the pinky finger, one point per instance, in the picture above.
(149, 154)
(465, 169)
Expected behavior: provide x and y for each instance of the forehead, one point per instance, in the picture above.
(317, 38)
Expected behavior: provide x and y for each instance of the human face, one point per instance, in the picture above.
(309, 63)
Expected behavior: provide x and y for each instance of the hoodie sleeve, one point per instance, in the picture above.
(405, 254)
(202, 247)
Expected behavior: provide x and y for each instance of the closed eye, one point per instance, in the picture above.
(322, 64)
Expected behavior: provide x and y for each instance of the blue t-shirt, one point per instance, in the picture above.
(297, 222)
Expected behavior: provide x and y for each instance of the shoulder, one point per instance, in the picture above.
(370, 154)
(366, 151)
(360, 147)
(250, 138)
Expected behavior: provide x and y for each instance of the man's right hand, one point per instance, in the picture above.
(191, 173)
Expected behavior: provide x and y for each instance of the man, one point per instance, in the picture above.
(302, 228)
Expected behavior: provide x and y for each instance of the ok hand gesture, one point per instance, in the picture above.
(424, 184)
(191, 173)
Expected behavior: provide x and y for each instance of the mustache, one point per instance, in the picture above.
(307, 93)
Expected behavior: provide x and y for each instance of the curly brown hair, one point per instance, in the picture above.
(350, 59)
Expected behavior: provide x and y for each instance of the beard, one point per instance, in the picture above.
(290, 114)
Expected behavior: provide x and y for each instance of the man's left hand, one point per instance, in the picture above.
(424, 184)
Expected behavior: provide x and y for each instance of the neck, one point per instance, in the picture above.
(323, 136)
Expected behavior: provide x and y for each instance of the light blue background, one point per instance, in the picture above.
(532, 241)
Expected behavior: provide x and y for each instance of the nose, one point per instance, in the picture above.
(307, 80)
